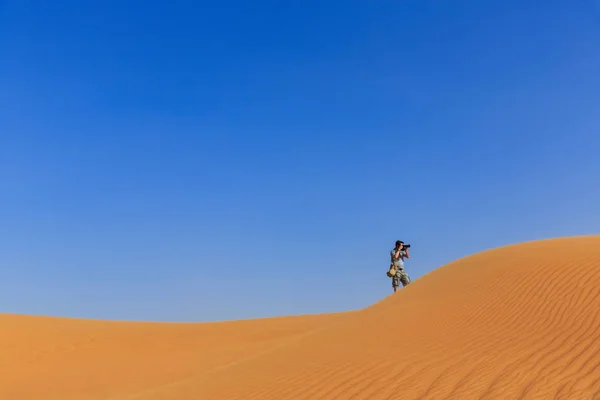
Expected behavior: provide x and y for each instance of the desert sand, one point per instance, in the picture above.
(515, 322)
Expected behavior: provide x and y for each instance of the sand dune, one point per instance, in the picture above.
(518, 322)
(58, 358)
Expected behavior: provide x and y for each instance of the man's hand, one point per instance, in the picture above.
(407, 255)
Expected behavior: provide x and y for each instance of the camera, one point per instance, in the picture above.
(406, 246)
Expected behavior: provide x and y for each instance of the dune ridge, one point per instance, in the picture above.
(515, 322)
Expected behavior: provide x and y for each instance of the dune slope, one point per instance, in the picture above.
(59, 358)
(518, 322)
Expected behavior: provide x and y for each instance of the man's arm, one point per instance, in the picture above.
(407, 255)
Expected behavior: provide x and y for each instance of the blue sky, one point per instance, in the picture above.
(183, 161)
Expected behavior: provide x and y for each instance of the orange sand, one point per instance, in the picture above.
(518, 322)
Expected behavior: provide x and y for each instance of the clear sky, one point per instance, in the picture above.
(183, 161)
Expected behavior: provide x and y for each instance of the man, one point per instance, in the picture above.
(398, 254)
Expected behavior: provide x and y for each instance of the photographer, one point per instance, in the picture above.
(398, 254)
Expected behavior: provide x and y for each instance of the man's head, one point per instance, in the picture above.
(399, 244)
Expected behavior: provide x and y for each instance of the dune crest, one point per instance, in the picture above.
(517, 322)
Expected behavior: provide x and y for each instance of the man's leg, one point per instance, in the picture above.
(404, 278)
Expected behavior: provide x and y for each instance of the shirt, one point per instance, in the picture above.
(400, 258)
